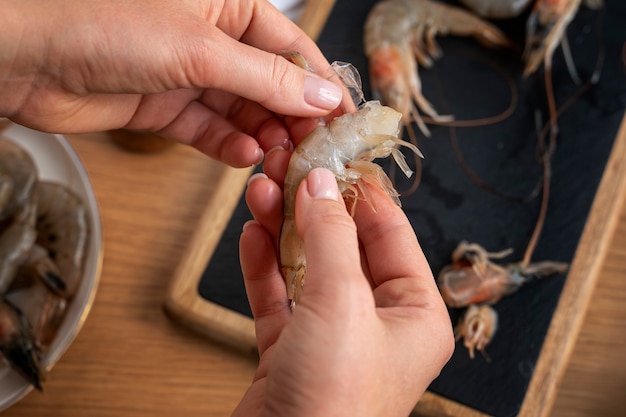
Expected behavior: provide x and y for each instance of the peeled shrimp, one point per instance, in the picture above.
(346, 146)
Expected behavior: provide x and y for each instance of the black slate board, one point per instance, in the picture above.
(449, 207)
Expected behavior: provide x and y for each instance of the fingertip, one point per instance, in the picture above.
(265, 201)
(248, 226)
(273, 134)
(322, 185)
(322, 94)
(254, 177)
(276, 163)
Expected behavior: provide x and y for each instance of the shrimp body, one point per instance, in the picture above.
(346, 146)
(62, 230)
(475, 282)
(18, 176)
(401, 33)
(16, 241)
(473, 278)
(16, 346)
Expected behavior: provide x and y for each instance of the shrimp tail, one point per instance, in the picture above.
(17, 344)
(372, 173)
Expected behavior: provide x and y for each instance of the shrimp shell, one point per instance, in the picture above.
(62, 230)
(18, 177)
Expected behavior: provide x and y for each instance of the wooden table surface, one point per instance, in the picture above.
(131, 360)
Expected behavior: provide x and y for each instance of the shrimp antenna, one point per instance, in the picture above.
(546, 155)
(483, 121)
(417, 159)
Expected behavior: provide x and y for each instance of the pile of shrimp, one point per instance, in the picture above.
(43, 235)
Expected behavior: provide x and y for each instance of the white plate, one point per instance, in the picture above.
(57, 161)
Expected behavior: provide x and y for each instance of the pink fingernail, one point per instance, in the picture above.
(321, 93)
(248, 224)
(258, 156)
(321, 184)
(255, 177)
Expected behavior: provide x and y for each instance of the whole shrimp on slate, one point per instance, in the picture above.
(399, 34)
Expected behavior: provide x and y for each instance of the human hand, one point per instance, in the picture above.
(202, 72)
(370, 332)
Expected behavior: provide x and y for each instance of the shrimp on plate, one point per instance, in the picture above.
(43, 236)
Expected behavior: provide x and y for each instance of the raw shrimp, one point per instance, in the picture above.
(45, 278)
(346, 146)
(16, 241)
(18, 176)
(39, 266)
(477, 327)
(62, 230)
(545, 27)
(43, 236)
(401, 33)
(545, 31)
(473, 279)
(43, 308)
(16, 344)
(40, 293)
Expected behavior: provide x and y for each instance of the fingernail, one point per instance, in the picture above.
(321, 184)
(321, 93)
(255, 177)
(274, 149)
(248, 224)
(258, 156)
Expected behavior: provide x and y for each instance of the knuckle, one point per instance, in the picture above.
(283, 80)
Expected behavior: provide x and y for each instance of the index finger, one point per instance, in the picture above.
(271, 31)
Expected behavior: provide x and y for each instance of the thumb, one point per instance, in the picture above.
(330, 238)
